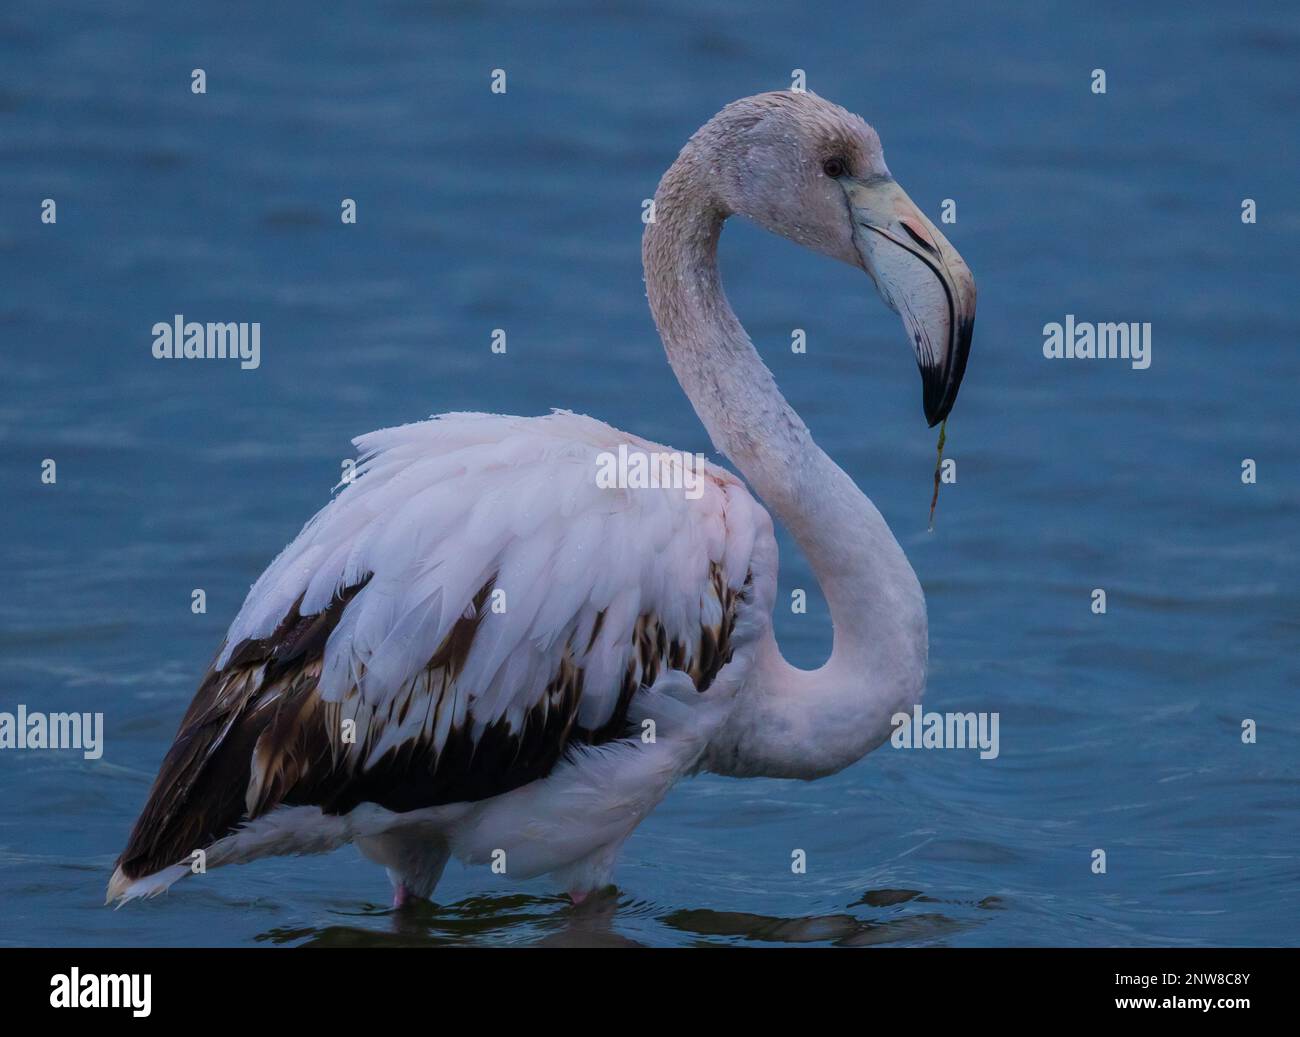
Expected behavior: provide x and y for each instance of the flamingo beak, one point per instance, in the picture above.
(921, 277)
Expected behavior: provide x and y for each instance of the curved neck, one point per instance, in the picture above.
(787, 722)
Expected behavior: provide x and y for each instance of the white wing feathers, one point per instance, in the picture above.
(442, 509)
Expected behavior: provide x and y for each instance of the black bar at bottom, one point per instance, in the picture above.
(376, 987)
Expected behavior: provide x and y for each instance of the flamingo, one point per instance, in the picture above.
(476, 650)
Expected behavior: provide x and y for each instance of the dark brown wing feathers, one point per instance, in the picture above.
(257, 735)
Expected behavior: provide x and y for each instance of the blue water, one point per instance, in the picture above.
(521, 211)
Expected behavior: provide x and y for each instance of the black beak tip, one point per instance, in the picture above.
(934, 384)
(941, 382)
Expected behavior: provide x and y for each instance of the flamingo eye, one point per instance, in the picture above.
(834, 168)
